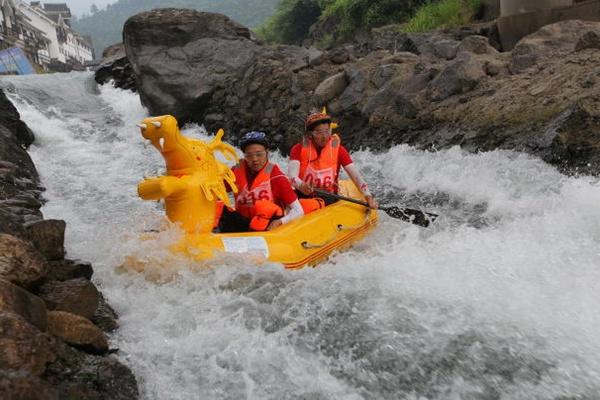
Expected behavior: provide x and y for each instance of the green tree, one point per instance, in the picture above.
(291, 22)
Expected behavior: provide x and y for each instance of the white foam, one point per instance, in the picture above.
(527, 275)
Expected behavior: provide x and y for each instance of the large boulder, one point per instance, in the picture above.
(179, 57)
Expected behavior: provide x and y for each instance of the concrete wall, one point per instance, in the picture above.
(512, 7)
(513, 28)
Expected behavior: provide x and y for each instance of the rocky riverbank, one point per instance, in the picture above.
(431, 90)
(53, 320)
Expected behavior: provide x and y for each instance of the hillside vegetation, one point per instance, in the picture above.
(105, 26)
(331, 21)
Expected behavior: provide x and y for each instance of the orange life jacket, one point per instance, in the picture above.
(320, 170)
(247, 198)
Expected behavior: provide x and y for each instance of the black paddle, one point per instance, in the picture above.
(416, 217)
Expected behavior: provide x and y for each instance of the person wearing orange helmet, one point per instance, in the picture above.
(265, 198)
(315, 162)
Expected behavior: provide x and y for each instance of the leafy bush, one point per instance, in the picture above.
(293, 19)
(291, 22)
(443, 14)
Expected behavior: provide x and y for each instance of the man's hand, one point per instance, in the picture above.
(274, 224)
(372, 202)
(305, 188)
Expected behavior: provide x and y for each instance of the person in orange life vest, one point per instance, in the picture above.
(315, 162)
(265, 198)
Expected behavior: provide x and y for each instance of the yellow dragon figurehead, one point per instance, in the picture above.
(195, 178)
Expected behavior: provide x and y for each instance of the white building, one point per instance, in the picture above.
(44, 32)
(36, 17)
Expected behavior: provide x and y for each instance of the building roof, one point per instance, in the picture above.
(57, 8)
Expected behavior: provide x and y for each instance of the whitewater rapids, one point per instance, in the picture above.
(497, 300)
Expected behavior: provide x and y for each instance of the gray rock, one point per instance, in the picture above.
(460, 76)
(446, 48)
(477, 45)
(331, 87)
(385, 73)
(180, 57)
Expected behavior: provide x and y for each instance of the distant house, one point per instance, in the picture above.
(44, 33)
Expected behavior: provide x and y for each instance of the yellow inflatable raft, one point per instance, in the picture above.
(194, 182)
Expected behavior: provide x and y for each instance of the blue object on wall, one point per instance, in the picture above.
(14, 61)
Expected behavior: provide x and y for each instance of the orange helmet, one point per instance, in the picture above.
(315, 119)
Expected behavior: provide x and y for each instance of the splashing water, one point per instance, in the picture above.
(497, 300)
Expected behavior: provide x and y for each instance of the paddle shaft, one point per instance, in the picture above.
(416, 217)
(340, 197)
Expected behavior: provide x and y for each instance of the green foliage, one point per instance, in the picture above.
(291, 22)
(443, 14)
(350, 17)
(106, 25)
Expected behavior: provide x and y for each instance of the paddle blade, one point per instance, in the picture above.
(416, 217)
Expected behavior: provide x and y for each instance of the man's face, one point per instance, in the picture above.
(256, 156)
(321, 134)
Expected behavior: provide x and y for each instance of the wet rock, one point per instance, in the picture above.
(20, 262)
(22, 385)
(105, 317)
(460, 76)
(15, 300)
(78, 375)
(11, 150)
(63, 270)
(77, 296)
(10, 119)
(578, 138)
(589, 40)
(23, 346)
(48, 236)
(77, 331)
(331, 87)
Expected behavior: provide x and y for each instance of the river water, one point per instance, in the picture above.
(497, 300)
